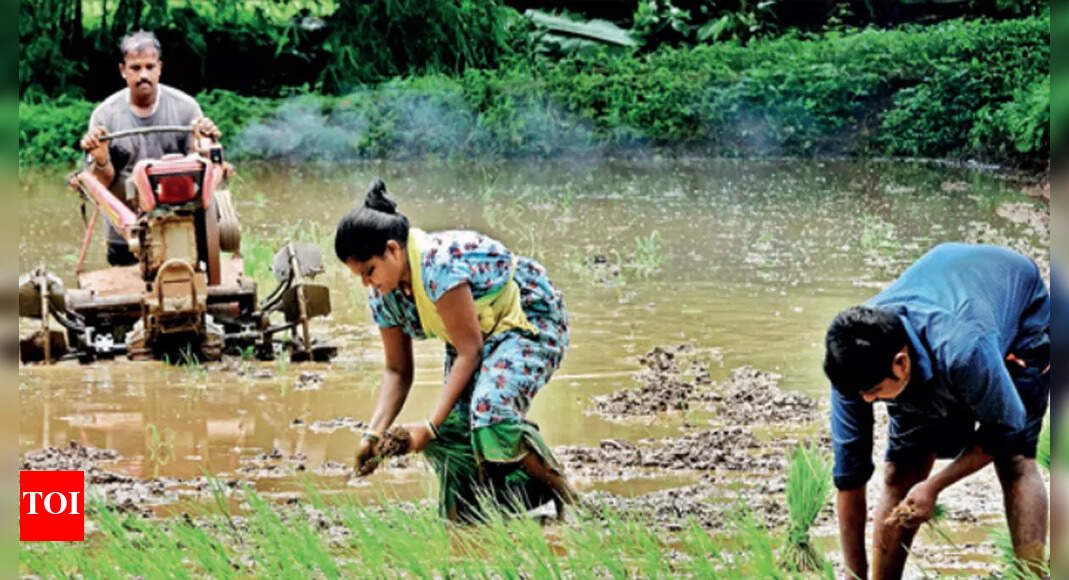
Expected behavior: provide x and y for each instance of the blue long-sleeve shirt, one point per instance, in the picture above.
(964, 308)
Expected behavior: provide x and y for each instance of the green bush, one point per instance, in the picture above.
(954, 90)
(375, 40)
(975, 89)
(49, 131)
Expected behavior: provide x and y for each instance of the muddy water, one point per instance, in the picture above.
(751, 258)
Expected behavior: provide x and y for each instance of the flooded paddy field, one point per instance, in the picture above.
(699, 292)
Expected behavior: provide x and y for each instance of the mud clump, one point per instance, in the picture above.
(650, 399)
(333, 469)
(332, 425)
(673, 380)
(394, 443)
(73, 457)
(273, 464)
(309, 381)
(124, 493)
(719, 449)
(703, 504)
(1035, 219)
(753, 396)
(668, 383)
(670, 509)
(903, 516)
(731, 449)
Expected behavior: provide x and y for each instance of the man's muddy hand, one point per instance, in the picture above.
(919, 504)
(97, 148)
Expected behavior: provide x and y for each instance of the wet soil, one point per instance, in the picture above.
(309, 380)
(669, 381)
(665, 386)
(735, 469)
(125, 493)
(753, 396)
(732, 460)
(705, 503)
(143, 496)
(332, 425)
(728, 449)
(739, 469)
(677, 379)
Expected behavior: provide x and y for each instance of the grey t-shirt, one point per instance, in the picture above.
(174, 108)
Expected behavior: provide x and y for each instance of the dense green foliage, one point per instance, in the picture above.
(965, 89)
(261, 46)
(205, 44)
(380, 39)
(49, 131)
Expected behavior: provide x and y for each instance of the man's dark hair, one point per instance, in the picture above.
(138, 41)
(861, 345)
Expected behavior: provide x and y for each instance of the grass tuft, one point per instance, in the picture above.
(1015, 568)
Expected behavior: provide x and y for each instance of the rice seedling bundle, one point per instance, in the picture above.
(808, 490)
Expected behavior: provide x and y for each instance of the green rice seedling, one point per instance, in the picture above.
(258, 257)
(410, 540)
(160, 446)
(1013, 568)
(647, 256)
(757, 546)
(282, 362)
(287, 548)
(591, 546)
(904, 515)
(187, 359)
(935, 525)
(221, 504)
(206, 550)
(705, 559)
(808, 488)
(1043, 451)
(878, 237)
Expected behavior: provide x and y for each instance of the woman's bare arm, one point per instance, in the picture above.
(396, 378)
(457, 309)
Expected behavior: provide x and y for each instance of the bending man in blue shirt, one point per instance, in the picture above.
(959, 348)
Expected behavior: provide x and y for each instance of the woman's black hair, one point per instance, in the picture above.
(861, 346)
(364, 231)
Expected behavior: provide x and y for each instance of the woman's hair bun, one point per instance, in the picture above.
(377, 200)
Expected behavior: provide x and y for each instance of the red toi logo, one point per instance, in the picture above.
(51, 506)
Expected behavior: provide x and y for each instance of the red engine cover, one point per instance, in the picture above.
(176, 179)
(176, 189)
